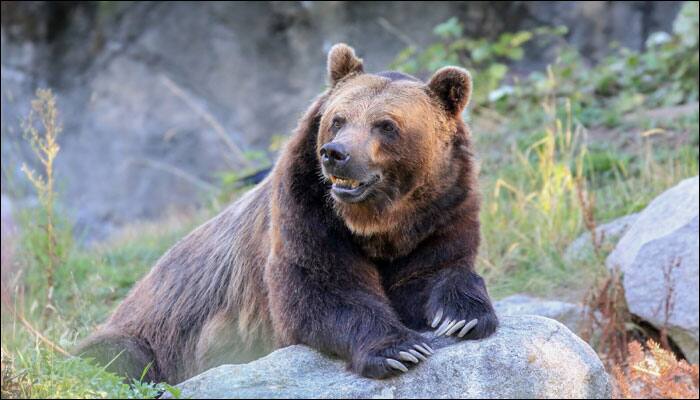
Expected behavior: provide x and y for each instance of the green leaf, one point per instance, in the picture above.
(497, 72)
(516, 54)
(481, 53)
(519, 38)
(450, 28)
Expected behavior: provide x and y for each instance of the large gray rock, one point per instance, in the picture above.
(528, 357)
(658, 257)
(607, 236)
(569, 314)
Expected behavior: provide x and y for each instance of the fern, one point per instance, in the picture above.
(655, 373)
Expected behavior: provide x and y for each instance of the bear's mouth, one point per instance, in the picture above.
(351, 190)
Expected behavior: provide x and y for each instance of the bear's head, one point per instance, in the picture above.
(386, 142)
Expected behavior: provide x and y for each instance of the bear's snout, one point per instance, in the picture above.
(334, 155)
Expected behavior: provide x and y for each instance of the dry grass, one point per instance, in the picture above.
(654, 373)
(606, 320)
(41, 129)
(12, 381)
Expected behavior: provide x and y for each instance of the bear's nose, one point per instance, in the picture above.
(334, 154)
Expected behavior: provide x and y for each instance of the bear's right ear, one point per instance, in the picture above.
(342, 62)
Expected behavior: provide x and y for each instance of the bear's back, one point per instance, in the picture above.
(214, 272)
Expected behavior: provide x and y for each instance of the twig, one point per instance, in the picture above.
(587, 204)
(208, 118)
(384, 23)
(669, 300)
(171, 169)
(19, 317)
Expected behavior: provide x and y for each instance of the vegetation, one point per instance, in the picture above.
(60, 292)
(87, 289)
(48, 239)
(655, 373)
(547, 138)
(560, 150)
(486, 60)
(567, 147)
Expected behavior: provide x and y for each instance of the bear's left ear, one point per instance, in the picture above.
(453, 87)
(342, 62)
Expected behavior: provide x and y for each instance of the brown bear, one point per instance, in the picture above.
(363, 235)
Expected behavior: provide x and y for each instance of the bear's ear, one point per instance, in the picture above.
(342, 62)
(453, 87)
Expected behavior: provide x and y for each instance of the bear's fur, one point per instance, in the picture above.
(303, 258)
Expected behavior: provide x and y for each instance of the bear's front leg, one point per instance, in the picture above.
(343, 311)
(459, 305)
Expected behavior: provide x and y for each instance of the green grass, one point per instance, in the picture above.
(43, 375)
(89, 284)
(536, 151)
(531, 210)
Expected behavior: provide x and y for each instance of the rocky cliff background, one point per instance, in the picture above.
(158, 99)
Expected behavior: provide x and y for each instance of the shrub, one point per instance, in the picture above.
(664, 74)
(655, 373)
(47, 238)
(487, 60)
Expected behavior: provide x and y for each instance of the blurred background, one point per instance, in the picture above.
(145, 89)
(159, 114)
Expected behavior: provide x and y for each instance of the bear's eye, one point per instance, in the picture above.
(387, 127)
(337, 124)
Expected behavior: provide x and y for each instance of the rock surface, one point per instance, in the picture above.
(607, 235)
(528, 357)
(658, 257)
(150, 93)
(569, 314)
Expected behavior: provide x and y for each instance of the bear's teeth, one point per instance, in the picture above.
(352, 184)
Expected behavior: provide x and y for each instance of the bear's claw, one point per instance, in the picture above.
(455, 327)
(468, 327)
(396, 365)
(414, 356)
(437, 319)
(449, 326)
(396, 355)
(425, 349)
(446, 325)
(407, 356)
(418, 355)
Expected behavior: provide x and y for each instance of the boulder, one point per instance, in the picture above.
(528, 357)
(658, 257)
(569, 314)
(607, 235)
